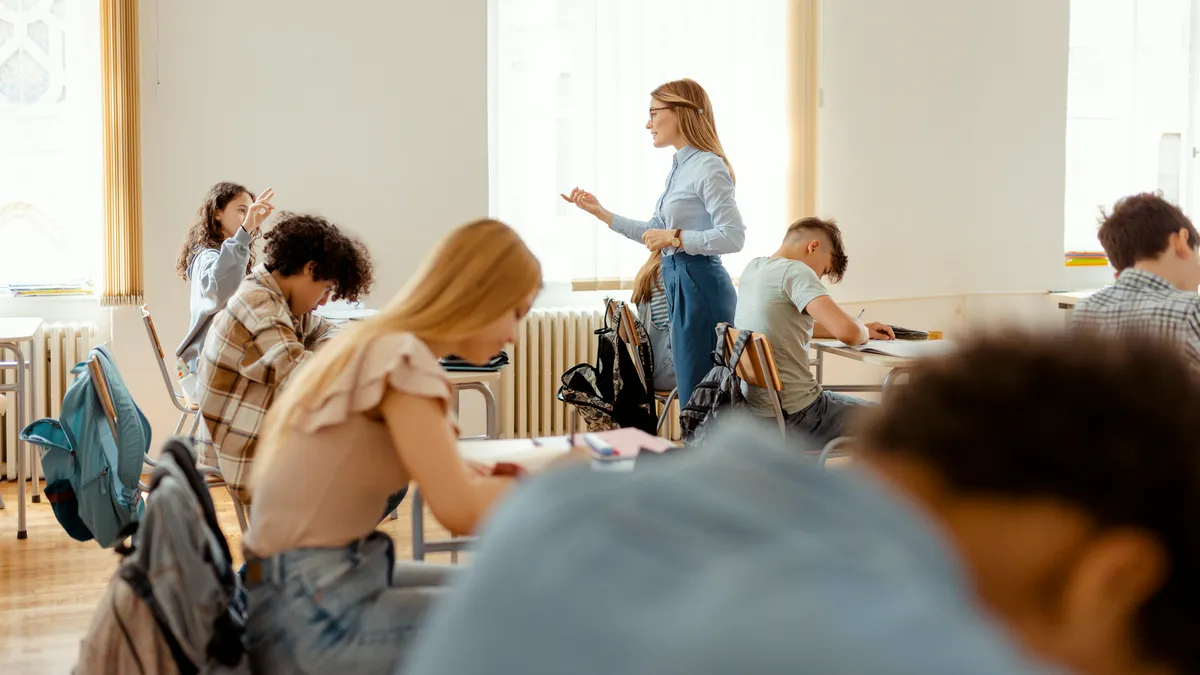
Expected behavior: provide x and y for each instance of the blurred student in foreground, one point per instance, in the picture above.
(1026, 504)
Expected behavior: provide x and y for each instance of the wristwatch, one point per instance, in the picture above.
(676, 240)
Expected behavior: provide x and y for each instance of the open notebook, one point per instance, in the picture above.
(903, 349)
(906, 349)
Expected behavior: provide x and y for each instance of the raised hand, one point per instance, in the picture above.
(259, 211)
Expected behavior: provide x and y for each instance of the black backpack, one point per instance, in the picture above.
(610, 394)
(718, 392)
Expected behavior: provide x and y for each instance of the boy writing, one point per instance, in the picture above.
(783, 298)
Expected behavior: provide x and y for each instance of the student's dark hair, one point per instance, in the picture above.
(827, 229)
(300, 238)
(1138, 229)
(1107, 425)
(205, 231)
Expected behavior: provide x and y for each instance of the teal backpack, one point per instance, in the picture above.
(92, 463)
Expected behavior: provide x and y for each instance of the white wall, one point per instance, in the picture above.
(943, 137)
(373, 114)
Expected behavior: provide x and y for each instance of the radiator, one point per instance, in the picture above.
(63, 346)
(549, 342)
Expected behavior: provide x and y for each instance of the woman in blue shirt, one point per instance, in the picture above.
(696, 220)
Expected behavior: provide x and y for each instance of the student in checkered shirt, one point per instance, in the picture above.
(1156, 251)
(268, 328)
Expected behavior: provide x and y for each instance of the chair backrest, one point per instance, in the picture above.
(757, 365)
(627, 334)
(160, 355)
(100, 382)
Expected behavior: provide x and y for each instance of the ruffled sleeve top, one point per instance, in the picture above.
(334, 471)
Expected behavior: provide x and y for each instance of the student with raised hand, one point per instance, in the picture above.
(268, 328)
(996, 519)
(782, 297)
(695, 221)
(1156, 252)
(366, 416)
(216, 256)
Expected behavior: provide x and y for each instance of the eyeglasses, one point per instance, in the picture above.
(654, 110)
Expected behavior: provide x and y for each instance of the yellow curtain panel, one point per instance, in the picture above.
(124, 281)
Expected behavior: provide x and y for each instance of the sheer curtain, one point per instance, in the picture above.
(1128, 126)
(51, 205)
(570, 84)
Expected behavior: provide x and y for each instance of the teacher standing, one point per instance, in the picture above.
(696, 221)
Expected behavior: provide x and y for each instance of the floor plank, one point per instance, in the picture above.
(50, 584)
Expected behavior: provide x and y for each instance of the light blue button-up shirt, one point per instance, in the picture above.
(739, 557)
(698, 200)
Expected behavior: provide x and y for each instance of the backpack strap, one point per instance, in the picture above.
(724, 356)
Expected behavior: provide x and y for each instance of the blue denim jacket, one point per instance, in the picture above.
(739, 557)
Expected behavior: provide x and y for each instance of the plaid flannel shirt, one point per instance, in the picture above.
(253, 346)
(1141, 303)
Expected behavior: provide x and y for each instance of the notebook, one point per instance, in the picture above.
(906, 349)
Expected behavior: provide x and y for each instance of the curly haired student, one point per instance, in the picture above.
(268, 328)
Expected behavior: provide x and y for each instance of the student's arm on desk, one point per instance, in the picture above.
(458, 496)
(835, 322)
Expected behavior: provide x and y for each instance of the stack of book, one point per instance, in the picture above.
(1086, 259)
(42, 290)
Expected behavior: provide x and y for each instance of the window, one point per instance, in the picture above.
(570, 84)
(1129, 110)
(51, 209)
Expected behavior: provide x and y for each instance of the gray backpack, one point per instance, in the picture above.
(175, 604)
(719, 391)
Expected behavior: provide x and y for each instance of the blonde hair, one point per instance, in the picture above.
(471, 278)
(691, 105)
(648, 278)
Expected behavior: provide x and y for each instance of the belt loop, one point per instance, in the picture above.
(276, 569)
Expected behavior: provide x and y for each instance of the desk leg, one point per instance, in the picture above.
(36, 361)
(820, 367)
(893, 375)
(418, 524)
(21, 448)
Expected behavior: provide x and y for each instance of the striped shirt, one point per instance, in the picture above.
(254, 344)
(1144, 304)
(659, 313)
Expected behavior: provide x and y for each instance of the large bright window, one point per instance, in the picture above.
(1130, 108)
(570, 84)
(51, 209)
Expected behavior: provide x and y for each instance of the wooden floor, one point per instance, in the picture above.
(50, 583)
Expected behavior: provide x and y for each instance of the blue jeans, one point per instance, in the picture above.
(700, 295)
(825, 418)
(338, 610)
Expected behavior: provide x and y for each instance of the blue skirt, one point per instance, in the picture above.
(700, 295)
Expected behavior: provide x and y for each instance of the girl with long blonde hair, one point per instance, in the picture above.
(366, 415)
(695, 221)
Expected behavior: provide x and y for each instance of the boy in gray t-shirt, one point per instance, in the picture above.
(783, 298)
